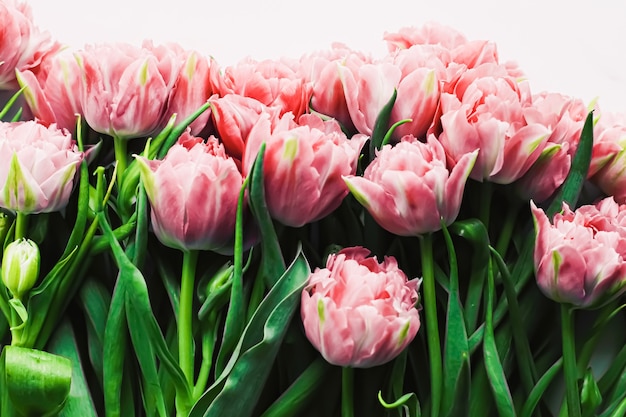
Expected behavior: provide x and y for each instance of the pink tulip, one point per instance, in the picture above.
(193, 193)
(608, 159)
(408, 188)
(579, 258)
(273, 83)
(126, 88)
(565, 117)
(368, 87)
(54, 92)
(192, 89)
(22, 44)
(233, 117)
(358, 312)
(486, 112)
(37, 167)
(323, 70)
(418, 90)
(429, 34)
(303, 167)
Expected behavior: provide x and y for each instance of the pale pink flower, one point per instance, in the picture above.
(126, 88)
(565, 117)
(22, 44)
(303, 166)
(486, 112)
(37, 167)
(408, 188)
(233, 117)
(431, 33)
(608, 159)
(323, 70)
(273, 83)
(192, 89)
(579, 258)
(358, 312)
(54, 92)
(368, 87)
(193, 194)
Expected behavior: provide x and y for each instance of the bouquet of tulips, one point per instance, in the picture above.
(341, 234)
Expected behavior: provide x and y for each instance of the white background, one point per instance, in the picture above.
(574, 47)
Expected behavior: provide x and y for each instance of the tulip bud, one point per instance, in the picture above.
(20, 266)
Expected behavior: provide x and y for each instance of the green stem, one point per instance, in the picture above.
(570, 370)
(21, 225)
(347, 392)
(432, 324)
(121, 149)
(185, 315)
(502, 245)
(485, 203)
(208, 346)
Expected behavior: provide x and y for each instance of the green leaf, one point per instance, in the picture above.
(301, 392)
(38, 383)
(540, 388)
(408, 402)
(493, 365)
(237, 390)
(456, 364)
(95, 300)
(590, 396)
(570, 189)
(475, 232)
(79, 401)
(272, 262)
(381, 126)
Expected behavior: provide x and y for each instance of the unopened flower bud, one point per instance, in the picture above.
(20, 266)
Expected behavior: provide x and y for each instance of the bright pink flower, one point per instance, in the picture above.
(579, 258)
(22, 44)
(303, 166)
(126, 88)
(233, 117)
(273, 83)
(565, 117)
(54, 92)
(192, 89)
(486, 112)
(408, 188)
(193, 193)
(358, 312)
(608, 159)
(37, 167)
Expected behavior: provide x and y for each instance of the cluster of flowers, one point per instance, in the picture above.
(439, 110)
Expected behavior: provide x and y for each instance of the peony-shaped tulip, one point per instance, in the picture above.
(565, 117)
(193, 194)
(22, 44)
(54, 92)
(358, 312)
(273, 83)
(579, 258)
(192, 89)
(608, 159)
(233, 117)
(408, 188)
(486, 112)
(37, 167)
(303, 166)
(126, 88)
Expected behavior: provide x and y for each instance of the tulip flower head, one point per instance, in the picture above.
(303, 167)
(580, 257)
(408, 189)
(20, 266)
(37, 167)
(358, 312)
(193, 194)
